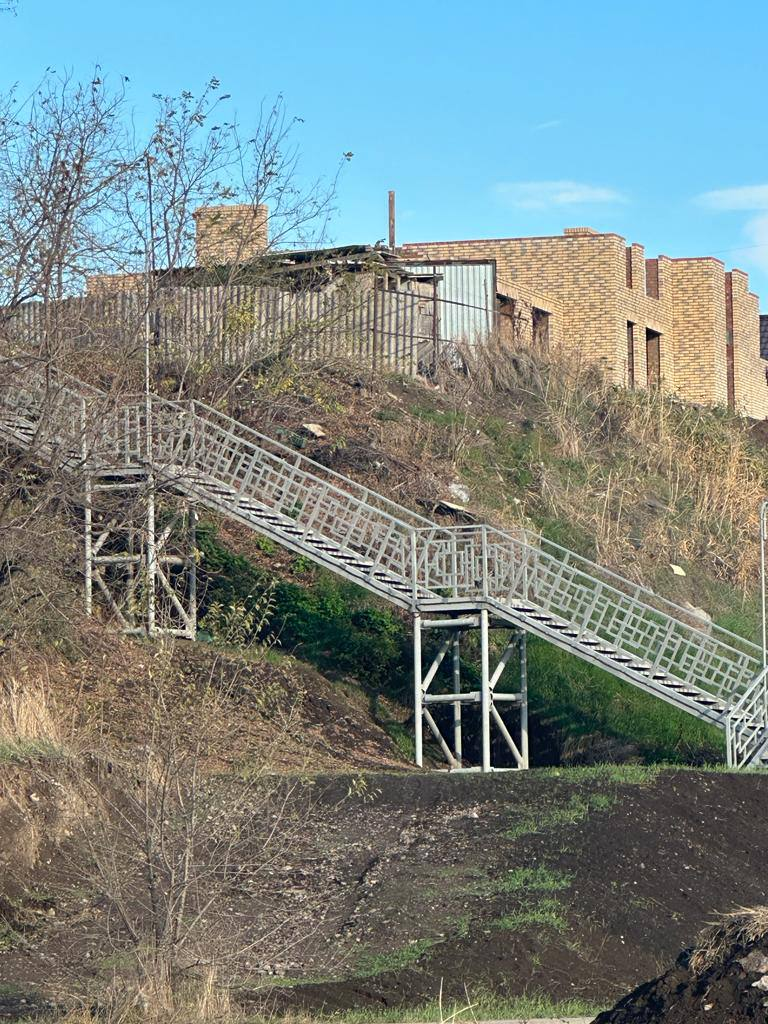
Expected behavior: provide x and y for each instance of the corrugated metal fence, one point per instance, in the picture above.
(373, 326)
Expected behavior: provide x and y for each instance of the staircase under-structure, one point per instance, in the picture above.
(449, 578)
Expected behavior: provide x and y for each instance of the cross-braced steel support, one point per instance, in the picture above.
(488, 698)
(140, 560)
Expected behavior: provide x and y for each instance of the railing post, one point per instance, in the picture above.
(148, 428)
(484, 549)
(414, 570)
(192, 567)
(88, 525)
(151, 555)
(87, 512)
(524, 699)
(457, 743)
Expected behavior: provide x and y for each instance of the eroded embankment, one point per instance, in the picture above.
(577, 884)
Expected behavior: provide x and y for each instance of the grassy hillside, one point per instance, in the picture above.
(237, 775)
(633, 480)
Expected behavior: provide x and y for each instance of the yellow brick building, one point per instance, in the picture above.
(687, 325)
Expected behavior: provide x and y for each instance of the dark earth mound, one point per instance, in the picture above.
(725, 981)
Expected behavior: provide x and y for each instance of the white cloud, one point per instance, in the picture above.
(540, 195)
(545, 125)
(745, 197)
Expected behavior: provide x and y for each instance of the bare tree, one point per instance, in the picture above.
(62, 154)
(82, 195)
(185, 852)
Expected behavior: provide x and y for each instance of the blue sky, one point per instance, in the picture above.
(488, 118)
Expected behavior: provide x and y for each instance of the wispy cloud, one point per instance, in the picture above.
(745, 197)
(757, 231)
(546, 125)
(541, 195)
(752, 199)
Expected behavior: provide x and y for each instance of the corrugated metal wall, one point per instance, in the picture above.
(466, 299)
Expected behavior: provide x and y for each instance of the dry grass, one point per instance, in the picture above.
(651, 480)
(741, 927)
(30, 723)
(195, 1000)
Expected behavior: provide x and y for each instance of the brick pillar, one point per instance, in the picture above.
(230, 234)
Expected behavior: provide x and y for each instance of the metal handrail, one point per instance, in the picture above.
(594, 571)
(743, 740)
(463, 560)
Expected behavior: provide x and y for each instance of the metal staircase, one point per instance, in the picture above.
(451, 579)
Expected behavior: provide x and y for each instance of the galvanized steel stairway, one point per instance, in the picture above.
(530, 584)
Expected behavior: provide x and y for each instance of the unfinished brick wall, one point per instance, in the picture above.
(749, 369)
(521, 303)
(700, 330)
(577, 270)
(230, 234)
(602, 285)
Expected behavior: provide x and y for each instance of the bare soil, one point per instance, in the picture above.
(424, 887)
(732, 991)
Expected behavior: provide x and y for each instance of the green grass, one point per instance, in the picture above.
(9, 988)
(620, 774)
(539, 879)
(545, 818)
(548, 913)
(388, 415)
(25, 751)
(439, 417)
(478, 1007)
(9, 937)
(585, 700)
(371, 964)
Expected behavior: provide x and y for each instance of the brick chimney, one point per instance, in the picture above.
(580, 231)
(230, 234)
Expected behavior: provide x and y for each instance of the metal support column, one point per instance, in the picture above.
(524, 698)
(485, 693)
(457, 744)
(151, 556)
(418, 693)
(192, 568)
(88, 527)
(145, 575)
(430, 698)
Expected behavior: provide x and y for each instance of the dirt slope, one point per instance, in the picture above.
(579, 883)
(722, 979)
